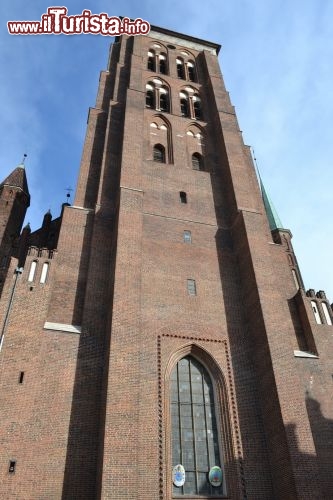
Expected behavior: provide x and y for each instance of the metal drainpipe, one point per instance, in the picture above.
(18, 271)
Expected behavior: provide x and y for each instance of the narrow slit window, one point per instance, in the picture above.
(184, 108)
(163, 66)
(197, 163)
(191, 287)
(316, 312)
(295, 278)
(151, 61)
(180, 69)
(326, 313)
(197, 109)
(32, 271)
(150, 99)
(183, 197)
(187, 237)
(12, 466)
(164, 101)
(159, 153)
(45, 270)
(21, 377)
(191, 72)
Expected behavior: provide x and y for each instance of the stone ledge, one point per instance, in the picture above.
(304, 354)
(62, 327)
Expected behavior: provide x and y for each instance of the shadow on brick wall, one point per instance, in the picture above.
(322, 432)
(83, 469)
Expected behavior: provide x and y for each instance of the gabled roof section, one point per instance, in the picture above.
(17, 178)
(273, 218)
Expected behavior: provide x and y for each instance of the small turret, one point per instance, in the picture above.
(14, 201)
(17, 180)
(281, 235)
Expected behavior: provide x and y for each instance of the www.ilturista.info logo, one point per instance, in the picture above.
(56, 22)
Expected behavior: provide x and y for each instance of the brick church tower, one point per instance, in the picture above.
(156, 338)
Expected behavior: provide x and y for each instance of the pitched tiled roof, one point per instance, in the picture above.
(18, 179)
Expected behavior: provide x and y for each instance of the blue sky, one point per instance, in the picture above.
(276, 59)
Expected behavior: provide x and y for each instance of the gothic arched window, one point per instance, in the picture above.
(157, 96)
(159, 153)
(157, 61)
(186, 67)
(195, 441)
(190, 104)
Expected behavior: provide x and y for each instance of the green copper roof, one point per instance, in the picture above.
(273, 218)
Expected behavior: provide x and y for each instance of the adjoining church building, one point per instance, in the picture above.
(157, 341)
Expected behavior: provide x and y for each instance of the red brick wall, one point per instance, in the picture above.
(92, 418)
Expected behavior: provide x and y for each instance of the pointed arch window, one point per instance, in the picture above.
(157, 96)
(157, 61)
(197, 161)
(194, 429)
(186, 67)
(190, 104)
(159, 153)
